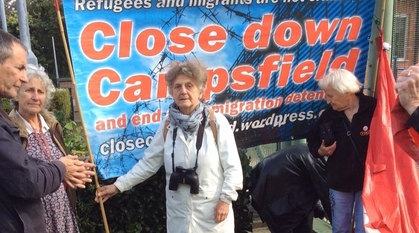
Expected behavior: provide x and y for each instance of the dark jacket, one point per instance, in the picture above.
(286, 186)
(413, 120)
(57, 134)
(345, 168)
(23, 182)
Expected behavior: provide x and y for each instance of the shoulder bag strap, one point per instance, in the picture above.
(349, 134)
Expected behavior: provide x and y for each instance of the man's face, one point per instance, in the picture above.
(13, 72)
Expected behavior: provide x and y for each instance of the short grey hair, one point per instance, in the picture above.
(341, 80)
(33, 71)
(6, 45)
(191, 68)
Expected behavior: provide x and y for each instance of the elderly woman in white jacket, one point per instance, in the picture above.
(201, 181)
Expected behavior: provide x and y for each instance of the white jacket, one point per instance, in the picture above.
(219, 172)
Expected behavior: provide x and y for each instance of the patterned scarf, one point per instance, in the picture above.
(188, 123)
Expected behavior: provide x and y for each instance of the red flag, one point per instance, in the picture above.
(391, 194)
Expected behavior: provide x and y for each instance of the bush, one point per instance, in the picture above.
(74, 139)
(143, 208)
(61, 105)
(243, 217)
(7, 107)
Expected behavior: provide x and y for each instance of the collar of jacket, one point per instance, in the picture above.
(365, 103)
(47, 115)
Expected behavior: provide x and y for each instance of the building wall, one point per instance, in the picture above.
(409, 8)
(66, 83)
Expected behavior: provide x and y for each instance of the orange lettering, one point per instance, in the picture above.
(321, 32)
(349, 60)
(125, 39)
(269, 65)
(288, 34)
(181, 37)
(354, 24)
(324, 62)
(285, 70)
(95, 83)
(219, 77)
(87, 40)
(138, 91)
(304, 71)
(262, 29)
(156, 45)
(212, 38)
(243, 78)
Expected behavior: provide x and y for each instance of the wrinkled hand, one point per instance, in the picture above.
(106, 192)
(407, 86)
(77, 172)
(221, 211)
(326, 150)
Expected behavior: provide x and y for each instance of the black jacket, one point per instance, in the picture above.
(286, 186)
(23, 181)
(413, 120)
(345, 168)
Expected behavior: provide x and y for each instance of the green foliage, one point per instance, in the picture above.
(7, 107)
(73, 133)
(243, 217)
(74, 138)
(61, 105)
(143, 209)
(43, 26)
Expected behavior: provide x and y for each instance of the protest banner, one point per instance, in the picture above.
(264, 59)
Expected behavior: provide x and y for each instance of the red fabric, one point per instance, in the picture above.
(407, 139)
(391, 194)
(415, 136)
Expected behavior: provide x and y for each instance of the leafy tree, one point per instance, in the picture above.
(43, 26)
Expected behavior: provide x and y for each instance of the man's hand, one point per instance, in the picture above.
(106, 192)
(407, 86)
(77, 172)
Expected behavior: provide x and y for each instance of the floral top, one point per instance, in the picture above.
(59, 216)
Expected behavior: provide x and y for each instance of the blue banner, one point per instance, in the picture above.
(264, 59)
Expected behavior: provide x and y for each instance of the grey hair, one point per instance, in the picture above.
(39, 72)
(191, 68)
(6, 45)
(341, 80)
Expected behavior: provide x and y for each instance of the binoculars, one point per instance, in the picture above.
(184, 176)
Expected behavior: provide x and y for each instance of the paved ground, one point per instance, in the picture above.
(319, 226)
